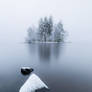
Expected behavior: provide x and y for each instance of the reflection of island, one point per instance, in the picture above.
(56, 50)
(32, 48)
(45, 51)
(48, 50)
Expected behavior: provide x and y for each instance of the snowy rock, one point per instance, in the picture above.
(33, 84)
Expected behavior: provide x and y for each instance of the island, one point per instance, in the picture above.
(46, 32)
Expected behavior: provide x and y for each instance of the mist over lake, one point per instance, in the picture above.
(64, 67)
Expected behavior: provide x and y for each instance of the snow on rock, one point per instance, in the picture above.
(32, 84)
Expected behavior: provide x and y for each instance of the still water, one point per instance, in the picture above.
(64, 67)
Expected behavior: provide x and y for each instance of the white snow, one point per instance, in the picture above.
(32, 84)
(25, 68)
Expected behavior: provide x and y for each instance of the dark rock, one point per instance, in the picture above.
(26, 70)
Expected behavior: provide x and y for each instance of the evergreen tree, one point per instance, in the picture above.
(47, 31)
(45, 28)
(59, 32)
(40, 30)
(31, 34)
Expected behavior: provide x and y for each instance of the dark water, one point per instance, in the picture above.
(63, 67)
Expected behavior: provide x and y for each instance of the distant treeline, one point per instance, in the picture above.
(46, 31)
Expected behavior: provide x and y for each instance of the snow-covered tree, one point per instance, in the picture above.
(40, 30)
(59, 32)
(31, 35)
(47, 31)
(45, 28)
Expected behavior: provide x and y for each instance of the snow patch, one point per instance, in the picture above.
(32, 84)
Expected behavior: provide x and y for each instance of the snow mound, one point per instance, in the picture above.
(32, 84)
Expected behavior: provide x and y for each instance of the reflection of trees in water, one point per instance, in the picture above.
(56, 50)
(46, 50)
(32, 49)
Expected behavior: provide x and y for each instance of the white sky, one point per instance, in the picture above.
(17, 15)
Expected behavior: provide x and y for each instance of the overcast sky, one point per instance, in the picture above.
(17, 15)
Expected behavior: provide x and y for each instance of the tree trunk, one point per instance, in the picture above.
(44, 37)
